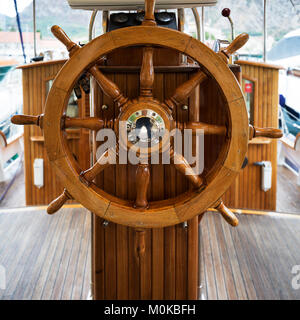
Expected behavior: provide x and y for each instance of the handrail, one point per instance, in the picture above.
(297, 142)
(197, 21)
(291, 115)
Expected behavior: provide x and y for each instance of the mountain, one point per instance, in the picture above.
(247, 16)
(48, 13)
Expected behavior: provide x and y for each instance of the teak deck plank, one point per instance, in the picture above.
(263, 251)
(218, 267)
(37, 255)
(208, 264)
(48, 257)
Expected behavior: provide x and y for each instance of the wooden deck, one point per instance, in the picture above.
(45, 257)
(288, 193)
(252, 261)
(15, 196)
(48, 257)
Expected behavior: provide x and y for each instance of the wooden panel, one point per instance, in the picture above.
(171, 253)
(247, 192)
(133, 57)
(174, 249)
(35, 77)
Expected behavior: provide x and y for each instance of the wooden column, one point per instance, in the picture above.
(168, 268)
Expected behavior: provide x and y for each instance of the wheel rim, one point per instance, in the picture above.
(161, 213)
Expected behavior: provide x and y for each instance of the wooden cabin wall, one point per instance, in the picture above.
(34, 77)
(246, 192)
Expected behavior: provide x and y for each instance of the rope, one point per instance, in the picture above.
(20, 30)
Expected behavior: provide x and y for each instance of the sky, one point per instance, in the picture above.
(7, 7)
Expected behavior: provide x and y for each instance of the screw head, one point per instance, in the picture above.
(105, 223)
(104, 107)
(185, 107)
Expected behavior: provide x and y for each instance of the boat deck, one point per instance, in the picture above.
(49, 257)
(288, 193)
(45, 257)
(252, 261)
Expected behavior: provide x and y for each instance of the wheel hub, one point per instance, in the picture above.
(145, 127)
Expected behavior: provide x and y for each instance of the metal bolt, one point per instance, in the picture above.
(185, 225)
(105, 223)
(185, 107)
(104, 107)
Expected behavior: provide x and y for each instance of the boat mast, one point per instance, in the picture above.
(265, 31)
(34, 29)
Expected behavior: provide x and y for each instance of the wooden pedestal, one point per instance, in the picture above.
(168, 270)
(169, 267)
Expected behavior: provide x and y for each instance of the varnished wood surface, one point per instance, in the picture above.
(168, 269)
(253, 261)
(46, 257)
(120, 211)
(35, 77)
(246, 192)
(133, 57)
(171, 252)
(157, 68)
(42, 63)
(118, 272)
(235, 45)
(164, 85)
(259, 64)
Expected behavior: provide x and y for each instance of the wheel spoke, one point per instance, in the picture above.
(57, 203)
(183, 167)
(109, 87)
(142, 184)
(227, 214)
(103, 162)
(87, 123)
(147, 73)
(206, 127)
(22, 119)
(235, 45)
(185, 90)
(59, 33)
(272, 133)
(149, 19)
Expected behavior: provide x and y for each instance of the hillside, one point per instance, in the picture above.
(48, 13)
(247, 16)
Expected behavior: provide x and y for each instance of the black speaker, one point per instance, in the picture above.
(123, 19)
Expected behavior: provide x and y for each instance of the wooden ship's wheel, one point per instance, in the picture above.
(206, 189)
